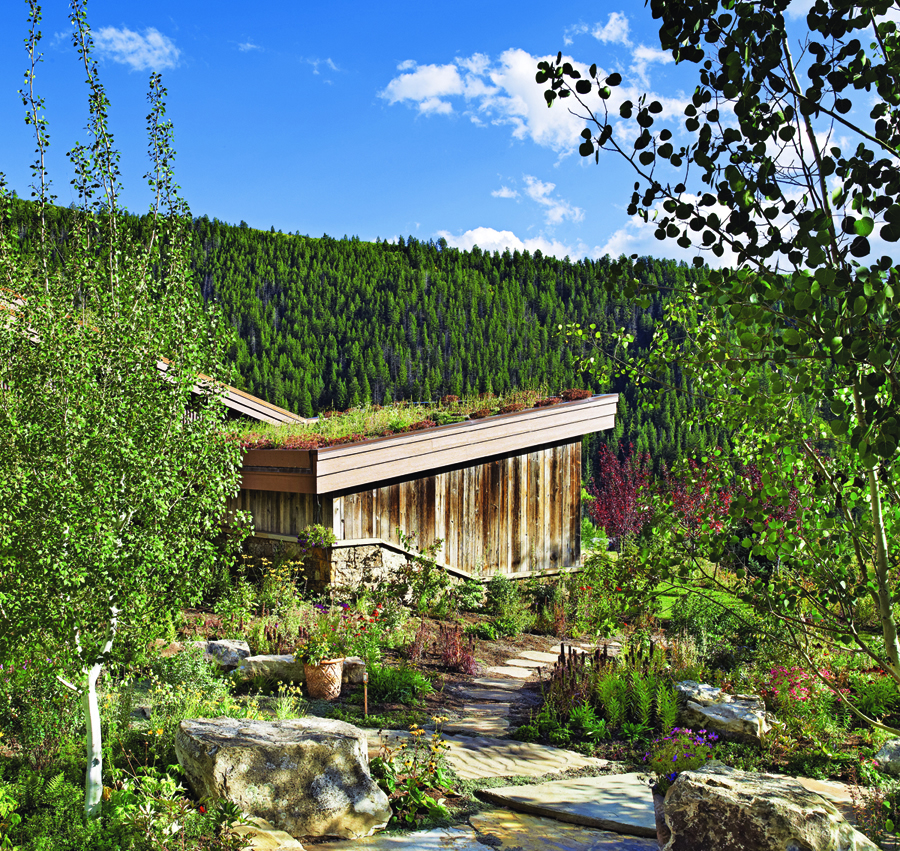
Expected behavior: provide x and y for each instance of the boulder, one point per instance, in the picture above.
(354, 671)
(285, 668)
(306, 776)
(717, 808)
(736, 716)
(888, 758)
(228, 652)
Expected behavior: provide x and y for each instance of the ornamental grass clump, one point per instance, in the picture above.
(681, 750)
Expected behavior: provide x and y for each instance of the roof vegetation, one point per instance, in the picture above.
(334, 428)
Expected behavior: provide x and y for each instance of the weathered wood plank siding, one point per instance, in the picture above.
(506, 515)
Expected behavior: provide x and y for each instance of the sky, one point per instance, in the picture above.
(355, 119)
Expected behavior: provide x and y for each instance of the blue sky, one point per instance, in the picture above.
(349, 118)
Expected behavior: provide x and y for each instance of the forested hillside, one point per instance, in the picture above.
(328, 324)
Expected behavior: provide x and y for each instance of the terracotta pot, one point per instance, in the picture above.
(663, 834)
(323, 681)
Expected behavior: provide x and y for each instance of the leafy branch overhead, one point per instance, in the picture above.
(784, 164)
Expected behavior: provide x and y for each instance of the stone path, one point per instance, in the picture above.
(612, 812)
(477, 758)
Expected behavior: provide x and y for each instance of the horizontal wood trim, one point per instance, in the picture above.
(300, 458)
(389, 461)
(295, 482)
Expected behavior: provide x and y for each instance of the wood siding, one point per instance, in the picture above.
(509, 515)
(279, 513)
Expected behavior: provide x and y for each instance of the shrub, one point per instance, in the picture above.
(398, 685)
(481, 629)
(39, 713)
(469, 595)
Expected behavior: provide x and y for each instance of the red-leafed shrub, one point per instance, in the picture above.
(457, 654)
(512, 409)
(449, 400)
(622, 503)
(575, 395)
(546, 403)
(421, 424)
(480, 414)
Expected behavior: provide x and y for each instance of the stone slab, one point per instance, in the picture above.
(619, 802)
(501, 696)
(495, 682)
(486, 708)
(480, 757)
(539, 656)
(441, 839)
(534, 664)
(264, 836)
(510, 671)
(508, 831)
(478, 726)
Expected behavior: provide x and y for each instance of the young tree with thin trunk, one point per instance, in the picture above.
(114, 469)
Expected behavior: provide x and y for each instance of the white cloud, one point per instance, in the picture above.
(614, 31)
(489, 239)
(557, 210)
(317, 62)
(643, 57)
(505, 192)
(799, 9)
(150, 51)
(248, 45)
(425, 85)
(503, 92)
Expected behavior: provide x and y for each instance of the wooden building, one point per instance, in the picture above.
(502, 494)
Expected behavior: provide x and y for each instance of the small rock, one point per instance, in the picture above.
(740, 716)
(718, 808)
(228, 652)
(306, 776)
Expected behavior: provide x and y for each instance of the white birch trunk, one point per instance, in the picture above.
(93, 776)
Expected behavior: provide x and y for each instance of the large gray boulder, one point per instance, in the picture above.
(736, 716)
(307, 776)
(718, 808)
(273, 667)
(888, 758)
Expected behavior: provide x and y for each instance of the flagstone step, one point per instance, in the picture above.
(527, 663)
(619, 802)
(479, 757)
(495, 682)
(478, 726)
(505, 830)
(511, 671)
(540, 656)
(500, 830)
(499, 695)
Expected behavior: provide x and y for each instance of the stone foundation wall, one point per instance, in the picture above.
(342, 566)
